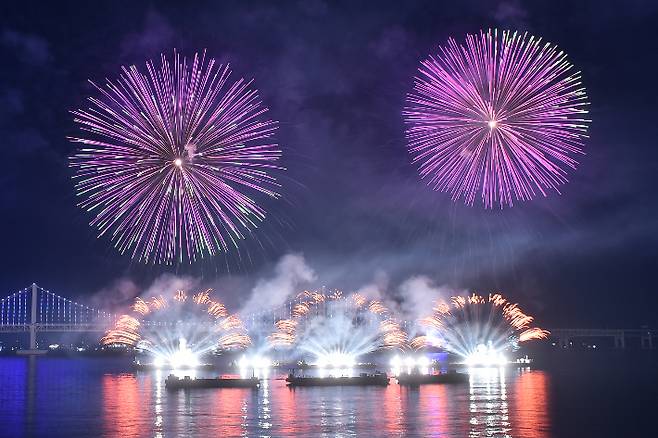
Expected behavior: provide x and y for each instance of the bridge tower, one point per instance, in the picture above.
(620, 340)
(33, 318)
(32, 326)
(646, 341)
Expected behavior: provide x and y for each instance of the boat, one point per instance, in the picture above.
(525, 360)
(415, 379)
(363, 379)
(175, 382)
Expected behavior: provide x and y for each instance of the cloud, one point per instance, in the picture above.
(30, 49)
(157, 36)
(391, 43)
(511, 14)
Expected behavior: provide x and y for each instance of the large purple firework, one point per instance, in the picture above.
(174, 160)
(502, 115)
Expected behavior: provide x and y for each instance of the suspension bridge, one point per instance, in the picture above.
(35, 309)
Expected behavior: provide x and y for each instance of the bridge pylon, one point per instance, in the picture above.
(33, 324)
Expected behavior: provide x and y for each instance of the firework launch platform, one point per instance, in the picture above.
(415, 379)
(173, 382)
(377, 379)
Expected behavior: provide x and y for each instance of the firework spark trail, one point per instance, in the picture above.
(126, 332)
(141, 306)
(384, 332)
(172, 159)
(202, 297)
(216, 309)
(221, 330)
(502, 115)
(466, 322)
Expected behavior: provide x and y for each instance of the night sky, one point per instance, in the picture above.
(335, 75)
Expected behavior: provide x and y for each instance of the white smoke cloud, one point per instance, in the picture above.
(290, 273)
(419, 293)
(115, 296)
(376, 289)
(119, 296)
(168, 284)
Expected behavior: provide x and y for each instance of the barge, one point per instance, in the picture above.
(363, 379)
(415, 379)
(174, 382)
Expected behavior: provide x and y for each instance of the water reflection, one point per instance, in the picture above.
(435, 405)
(124, 405)
(488, 409)
(64, 395)
(508, 403)
(530, 404)
(158, 424)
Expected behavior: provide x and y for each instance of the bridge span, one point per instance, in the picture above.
(565, 336)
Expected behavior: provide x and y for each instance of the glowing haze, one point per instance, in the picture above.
(502, 116)
(330, 325)
(470, 326)
(174, 159)
(165, 325)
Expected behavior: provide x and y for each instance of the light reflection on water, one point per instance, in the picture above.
(488, 408)
(496, 403)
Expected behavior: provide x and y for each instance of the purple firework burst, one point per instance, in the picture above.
(174, 160)
(502, 115)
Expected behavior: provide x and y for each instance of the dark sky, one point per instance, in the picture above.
(335, 74)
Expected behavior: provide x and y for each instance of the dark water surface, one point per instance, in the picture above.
(578, 395)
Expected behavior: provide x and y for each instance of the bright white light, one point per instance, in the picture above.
(485, 356)
(396, 361)
(409, 362)
(184, 357)
(159, 362)
(423, 362)
(243, 363)
(261, 362)
(178, 162)
(335, 360)
(259, 365)
(492, 124)
(322, 362)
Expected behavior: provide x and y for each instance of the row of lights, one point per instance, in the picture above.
(410, 362)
